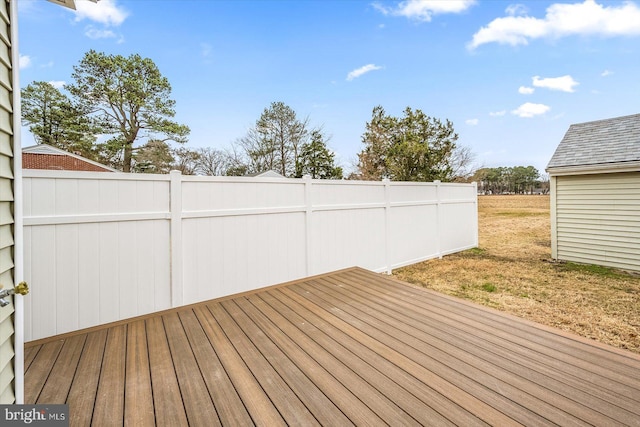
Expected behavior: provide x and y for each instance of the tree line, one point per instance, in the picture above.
(119, 112)
(512, 180)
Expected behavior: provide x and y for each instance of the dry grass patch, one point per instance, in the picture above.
(512, 271)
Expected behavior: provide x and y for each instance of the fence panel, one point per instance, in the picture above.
(104, 247)
(346, 237)
(96, 247)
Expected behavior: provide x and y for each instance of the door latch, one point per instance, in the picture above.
(22, 289)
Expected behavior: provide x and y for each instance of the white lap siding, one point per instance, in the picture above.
(597, 219)
(7, 353)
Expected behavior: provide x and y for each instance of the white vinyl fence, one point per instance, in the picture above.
(101, 247)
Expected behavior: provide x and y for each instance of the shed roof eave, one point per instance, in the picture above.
(633, 166)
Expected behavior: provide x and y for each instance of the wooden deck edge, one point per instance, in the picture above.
(90, 329)
(565, 334)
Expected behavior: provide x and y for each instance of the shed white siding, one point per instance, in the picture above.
(7, 353)
(597, 219)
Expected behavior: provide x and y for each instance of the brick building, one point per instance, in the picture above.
(43, 156)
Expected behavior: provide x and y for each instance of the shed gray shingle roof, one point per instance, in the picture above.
(603, 142)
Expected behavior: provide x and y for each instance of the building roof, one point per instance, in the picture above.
(602, 143)
(43, 156)
(266, 174)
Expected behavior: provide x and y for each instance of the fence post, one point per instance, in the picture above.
(438, 215)
(387, 224)
(475, 192)
(175, 257)
(308, 222)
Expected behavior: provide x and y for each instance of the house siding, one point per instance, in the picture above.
(597, 219)
(7, 394)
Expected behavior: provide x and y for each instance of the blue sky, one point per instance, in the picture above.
(511, 76)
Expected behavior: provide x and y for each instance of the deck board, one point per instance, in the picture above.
(228, 404)
(290, 310)
(448, 361)
(193, 389)
(531, 376)
(82, 396)
(64, 369)
(30, 353)
(109, 406)
(255, 400)
(479, 327)
(138, 404)
(350, 347)
(527, 334)
(331, 364)
(283, 398)
(40, 369)
(256, 323)
(513, 367)
(351, 406)
(429, 370)
(167, 400)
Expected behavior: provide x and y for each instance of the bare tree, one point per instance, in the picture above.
(544, 183)
(237, 162)
(186, 160)
(462, 163)
(258, 154)
(212, 162)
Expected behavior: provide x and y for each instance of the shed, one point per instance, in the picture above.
(595, 194)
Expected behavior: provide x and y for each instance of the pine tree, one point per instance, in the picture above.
(316, 160)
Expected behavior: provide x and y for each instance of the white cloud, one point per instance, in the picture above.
(529, 109)
(564, 83)
(362, 70)
(106, 12)
(526, 90)
(606, 73)
(472, 122)
(58, 84)
(423, 10)
(94, 33)
(497, 113)
(516, 9)
(24, 61)
(561, 20)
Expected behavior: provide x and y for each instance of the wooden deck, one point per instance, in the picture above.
(351, 347)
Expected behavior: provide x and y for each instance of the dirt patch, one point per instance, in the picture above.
(512, 271)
